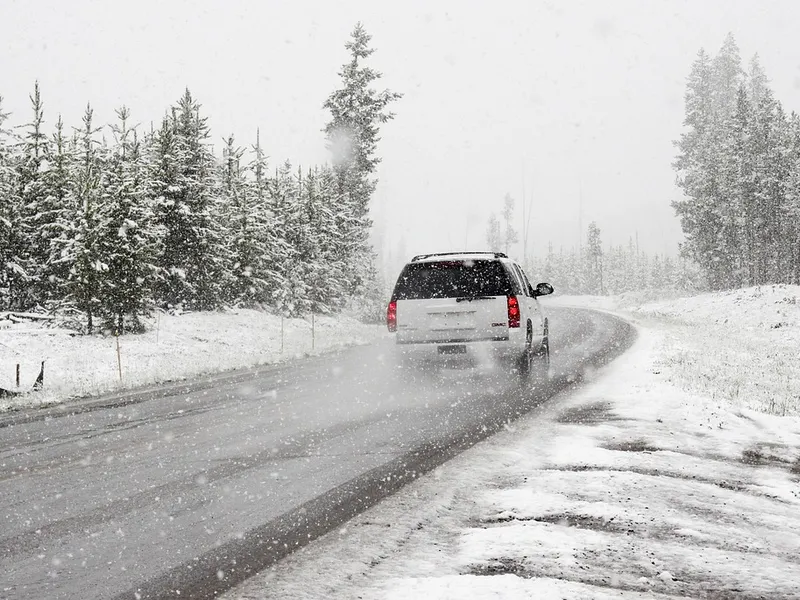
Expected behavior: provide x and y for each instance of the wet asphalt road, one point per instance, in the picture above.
(193, 488)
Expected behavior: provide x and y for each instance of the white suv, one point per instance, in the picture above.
(476, 304)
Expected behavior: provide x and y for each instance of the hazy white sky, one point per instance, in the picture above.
(575, 98)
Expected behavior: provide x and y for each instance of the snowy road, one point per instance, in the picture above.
(196, 491)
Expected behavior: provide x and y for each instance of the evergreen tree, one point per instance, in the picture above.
(707, 219)
(190, 262)
(696, 209)
(249, 224)
(111, 228)
(509, 234)
(271, 246)
(80, 243)
(756, 80)
(289, 295)
(726, 76)
(62, 197)
(357, 111)
(35, 218)
(239, 241)
(738, 166)
(127, 240)
(11, 242)
(656, 273)
(594, 249)
(494, 235)
(792, 205)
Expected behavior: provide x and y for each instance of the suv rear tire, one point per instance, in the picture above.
(525, 361)
(543, 354)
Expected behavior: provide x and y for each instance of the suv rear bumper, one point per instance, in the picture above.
(454, 340)
(454, 351)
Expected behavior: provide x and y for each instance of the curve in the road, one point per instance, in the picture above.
(142, 496)
(217, 571)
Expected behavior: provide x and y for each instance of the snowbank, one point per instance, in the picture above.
(739, 346)
(173, 348)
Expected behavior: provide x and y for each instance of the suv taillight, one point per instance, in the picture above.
(391, 316)
(513, 311)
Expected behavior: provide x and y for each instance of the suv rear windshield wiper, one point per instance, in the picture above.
(471, 298)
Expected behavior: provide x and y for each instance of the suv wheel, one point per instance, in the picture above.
(525, 361)
(543, 354)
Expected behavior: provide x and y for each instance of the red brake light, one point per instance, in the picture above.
(513, 311)
(391, 316)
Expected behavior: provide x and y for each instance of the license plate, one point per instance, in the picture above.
(460, 349)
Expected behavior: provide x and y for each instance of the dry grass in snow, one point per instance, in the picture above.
(741, 347)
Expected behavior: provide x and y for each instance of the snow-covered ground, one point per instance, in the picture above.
(742, 346)
(656, 480)
(174, 347)
(674, 474)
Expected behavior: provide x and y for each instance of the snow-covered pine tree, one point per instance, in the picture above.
(166, 197)
(328, 290)
(657, 273)
(757, 81)
(696, 208)
(784, 165)
(62, 196)
(79, 248)
(333, 227)
(11, 242)
(747, 160)
(289, 297)
(247, 225)
(494, 235)
(774, 137)
(127, 241)
(643, 272)
(271, 245)
(726, 76)
(668, 273)
(736, 166)
(613, 270)
(310, 265)
(357, 111)
(36, 216)
(509, 233)
(767, 149)
(237, 242)
(191, 261)
(710, 101)
(575, 265)
(792, 204)
(594, 251)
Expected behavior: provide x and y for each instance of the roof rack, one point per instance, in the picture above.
(423, 256)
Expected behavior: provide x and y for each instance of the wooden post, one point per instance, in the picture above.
(119, 358)
(158, 324)
(281, 333)
(313, 332)
(17, 374)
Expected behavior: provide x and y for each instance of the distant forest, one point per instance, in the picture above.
(593, 269)
(111, 221)
(739, 168)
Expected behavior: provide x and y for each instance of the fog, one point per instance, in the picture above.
(573, 104)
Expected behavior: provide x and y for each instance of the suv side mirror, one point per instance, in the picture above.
(543, 289)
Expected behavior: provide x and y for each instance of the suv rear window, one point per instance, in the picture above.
(452, 279)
